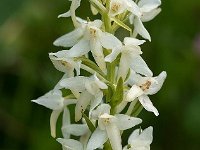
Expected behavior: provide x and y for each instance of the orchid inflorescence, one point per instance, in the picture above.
(109, 98)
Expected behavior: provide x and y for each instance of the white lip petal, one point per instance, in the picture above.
(69, 39)
(66, 121)
(97, 139)
(133, 93)
(125, 122)
(134, 135)
(140, 29)
(114, 136)
(147, 104)
(53, 120)
(70, 144)
(124, 66)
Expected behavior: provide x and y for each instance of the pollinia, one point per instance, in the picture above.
(118, 83)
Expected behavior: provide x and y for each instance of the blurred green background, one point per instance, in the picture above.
(27, 30)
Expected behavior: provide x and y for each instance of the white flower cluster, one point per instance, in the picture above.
(107, 100)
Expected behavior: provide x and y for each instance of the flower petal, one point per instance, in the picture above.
(124, 66)
(97, 52)
(140, 29)
(150, 15)
(133, 41)
(96, 101)
(157, 83)
(112, 56)
(82, 104)
(70, 144)
(109, 41)
(103, 108)
(133, 93)
(76, 129)
(75, 83)
(140, 66)
(125, 122)
(79, 49)
(114, 136)
(69, 39)
(53, 120)
(147, 104)
(97, 139)
(52, 100)
(66, 121)
(148, 5)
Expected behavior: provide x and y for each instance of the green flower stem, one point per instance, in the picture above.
(101, 9)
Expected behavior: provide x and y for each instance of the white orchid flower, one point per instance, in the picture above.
(140, 140)
(109, 127)
(149, 9)
(54, 100)
(130, 58)
(90, 88)
(89, 37)
(144, 86)
(120, 6)
(64, 63)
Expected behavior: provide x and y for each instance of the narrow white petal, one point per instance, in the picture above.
(112, 56)
(97, 139)
(140, 29)
(133, 93)
(97, 52)
(124, 66)
(53, 120)
(75, 83)
(82, 104)
(114, 136)
(133, 41)
(70, 144)
(147, 104)
(157, 83)
(69, 39)
(150, 15)
(109, 41)
(133, 7)
(140, 66)
(52, 100)
(66, 121)
(79, 49)
(99, 83)
(66, 14)
(76, 129)
(96, 101)
(148, 5)
(125, 122)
